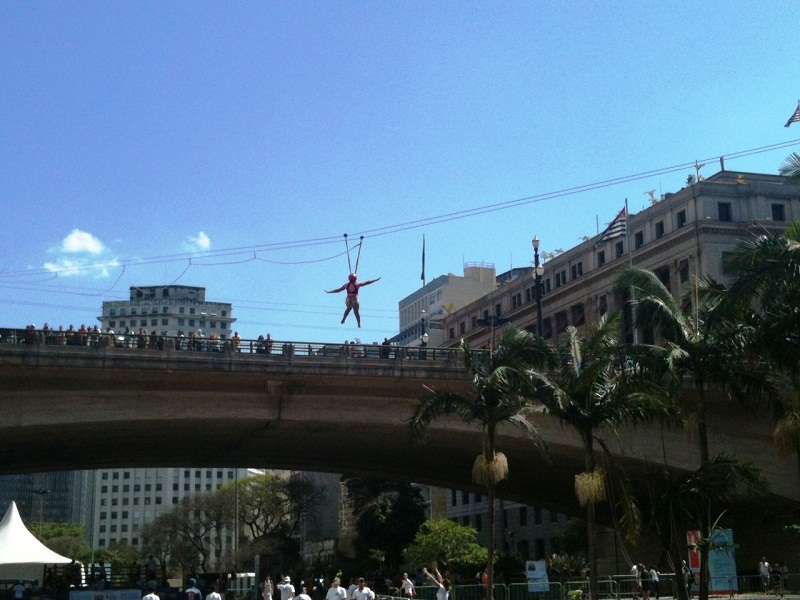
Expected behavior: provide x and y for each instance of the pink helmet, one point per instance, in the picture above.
(352, 277)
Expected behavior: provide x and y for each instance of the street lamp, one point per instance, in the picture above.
(422, 315)
(538, 271)
(423, 342)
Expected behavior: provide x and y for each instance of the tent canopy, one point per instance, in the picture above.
(20, 546)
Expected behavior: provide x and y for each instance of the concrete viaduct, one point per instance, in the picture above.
(67, 408)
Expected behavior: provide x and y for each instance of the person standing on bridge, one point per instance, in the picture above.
(351, 302)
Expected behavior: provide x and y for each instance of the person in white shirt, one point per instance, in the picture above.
(764, 571)
(303, 595)
(192, 593)
(151, 593)
(362, 592)
(442, 584)
(213, 595)
(407, 586)
(351, 589)
(336, 591)
(286, 588)
(266, 593)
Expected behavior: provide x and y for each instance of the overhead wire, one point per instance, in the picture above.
(407, 225)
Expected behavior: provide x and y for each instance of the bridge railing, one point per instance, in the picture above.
(263, 346)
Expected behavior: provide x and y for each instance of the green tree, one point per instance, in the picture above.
(449, 543)
(388, 515)
(598, 385)
(707, 349)
(766, 293)
(502, 392)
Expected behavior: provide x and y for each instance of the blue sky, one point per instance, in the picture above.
(231, 145)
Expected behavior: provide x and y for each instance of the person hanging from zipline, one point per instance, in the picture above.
(353, 285)
(351, 302)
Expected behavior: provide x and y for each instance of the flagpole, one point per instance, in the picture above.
(423, 261)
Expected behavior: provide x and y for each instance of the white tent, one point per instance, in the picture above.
(20, 546)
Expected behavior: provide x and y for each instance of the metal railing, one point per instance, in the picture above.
(194, 343)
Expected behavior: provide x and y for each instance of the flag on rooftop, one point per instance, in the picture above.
(617, 228)
(795, 118)
(422, 276)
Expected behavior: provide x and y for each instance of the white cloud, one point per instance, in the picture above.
(199, 243)
(80, 241)
(86, 267)
(81, 254)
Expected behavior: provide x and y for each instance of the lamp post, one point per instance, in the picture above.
(423, 342)
(538, 270)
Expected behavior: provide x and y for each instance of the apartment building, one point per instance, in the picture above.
(168, 309)
(681, 236)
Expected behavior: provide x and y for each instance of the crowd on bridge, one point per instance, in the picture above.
(94, 337)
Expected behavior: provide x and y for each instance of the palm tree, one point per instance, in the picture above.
(599, 385)
(707, 348)
(502, 392)
(791, 167)
(767, 291)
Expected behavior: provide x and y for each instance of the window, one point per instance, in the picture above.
(164, 322)
(659, 229)
(602, 305)
(181, 309)
(474, 321)
(778, 212)
(561, 321)
(114, 489)
(191, 311)
(148, 487)
(725, 211)
(638, 239)
(683, 271)
(453, 498)
(104, 489)
(464, 497)
(578, 316)
(452, 333)
(153, 322)
(523, 516)
(478, 523)
(537, 516)
(680, 218)
(619, 249)
(104, 476)
(164, 310)
(601, 258)
(112, 312)
(462, 328)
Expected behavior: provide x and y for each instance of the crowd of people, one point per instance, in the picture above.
(359, 588)
(94, 337)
